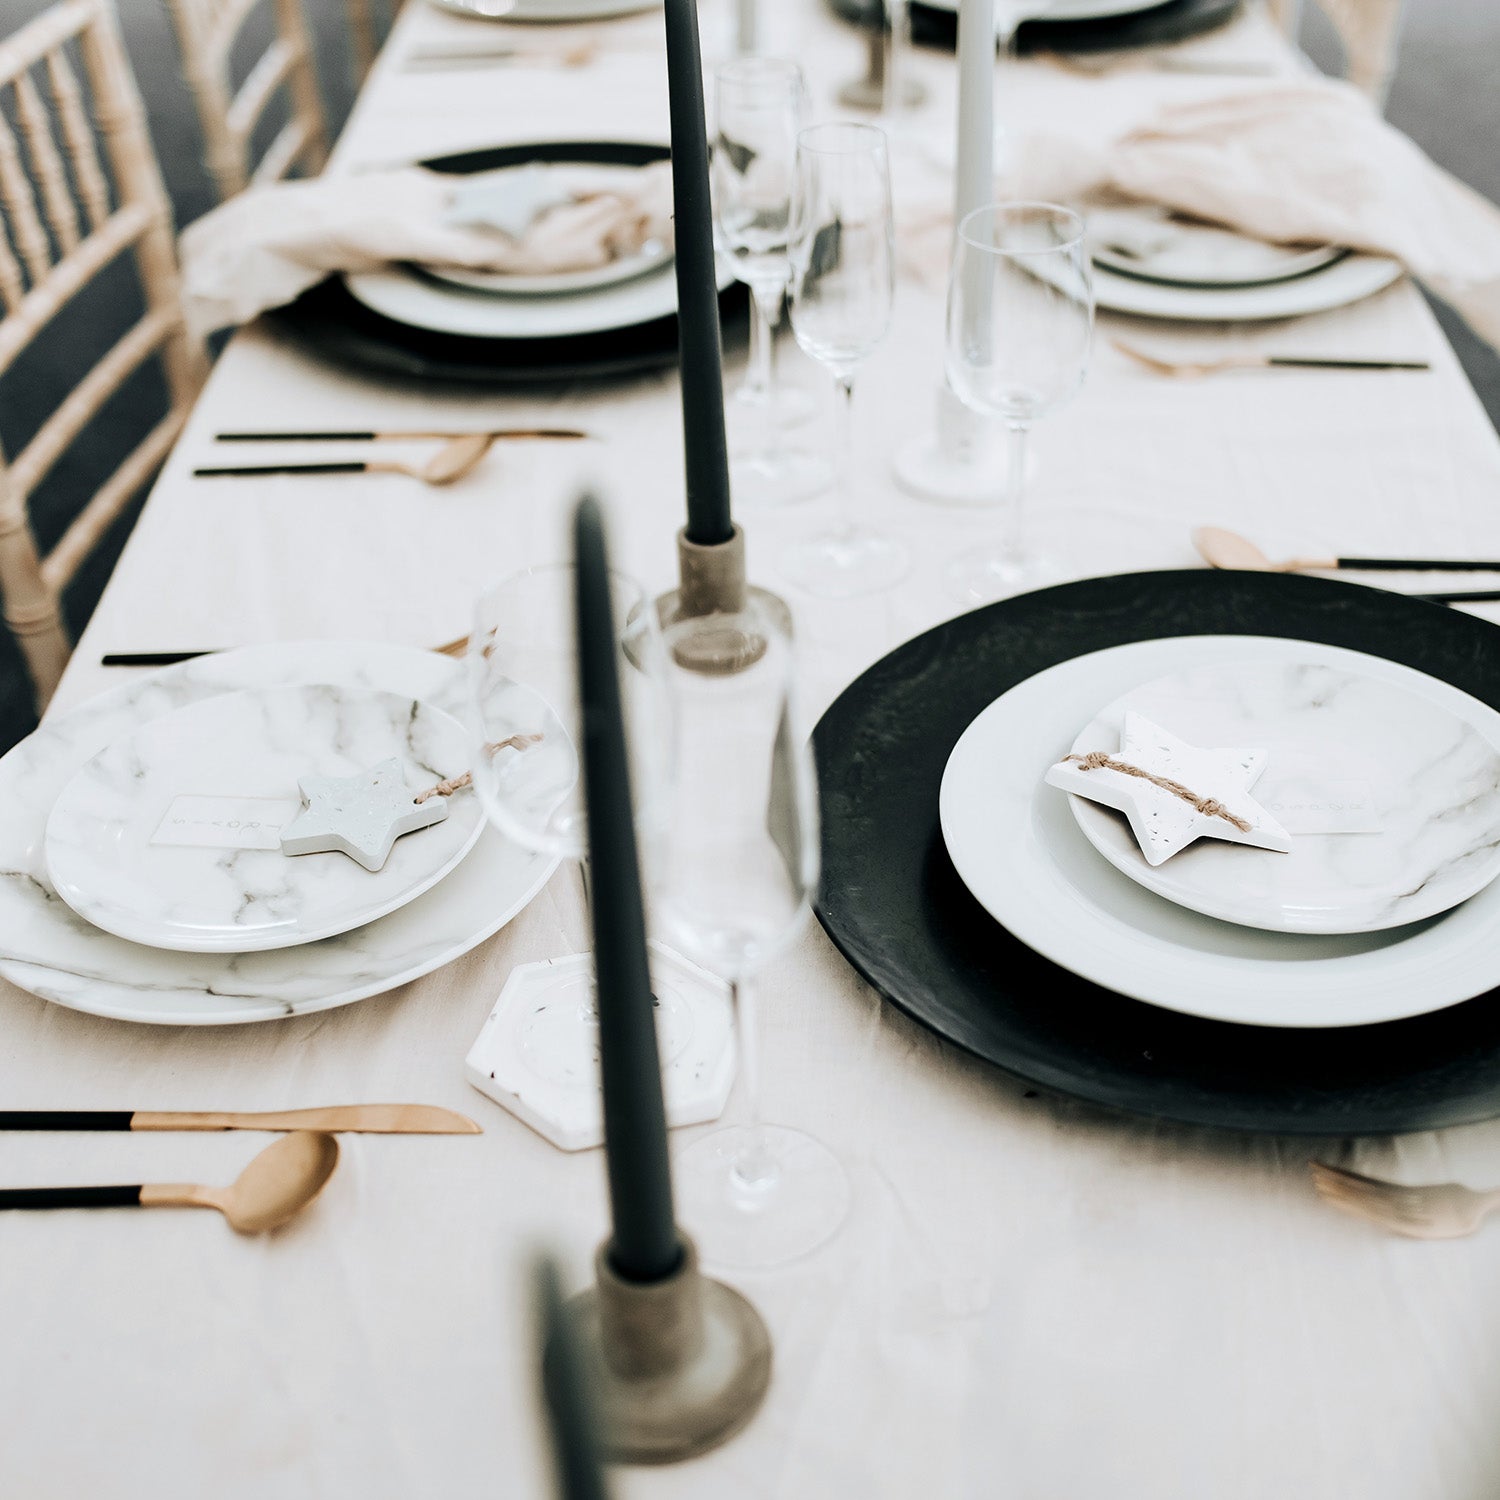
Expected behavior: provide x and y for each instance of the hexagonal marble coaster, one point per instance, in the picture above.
(538, 1053)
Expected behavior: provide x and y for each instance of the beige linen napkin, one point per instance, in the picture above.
(265, 247)
(1292, 163)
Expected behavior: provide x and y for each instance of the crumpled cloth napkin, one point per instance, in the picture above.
(267, 246)
(1288, 162)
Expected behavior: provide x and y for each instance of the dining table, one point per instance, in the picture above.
(1033, 1298)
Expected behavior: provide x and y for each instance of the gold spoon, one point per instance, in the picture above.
(276, 1186)
(1187, 369)
(457, 457)
(1228, 549)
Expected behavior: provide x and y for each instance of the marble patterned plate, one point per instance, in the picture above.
(1392, 801)
(171, 835)
(46, 948)
(1051, 890)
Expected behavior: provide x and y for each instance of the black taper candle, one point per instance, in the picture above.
(644, 1245)
(699, 357)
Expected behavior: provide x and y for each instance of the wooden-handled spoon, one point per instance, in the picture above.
(1228, 549)
(276, 1186)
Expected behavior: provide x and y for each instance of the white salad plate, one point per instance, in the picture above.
(1150, 244)
(411, 296)
(1069, 10)
(46, 948)
(1392, 800)
(1018, 848)
(652, 256)
(1349, 279)
(546, 10)
(171, 835)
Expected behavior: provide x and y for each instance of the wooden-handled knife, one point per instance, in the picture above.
(369, 1119)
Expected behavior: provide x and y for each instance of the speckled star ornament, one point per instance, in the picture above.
(1163, 823)
(361, 816)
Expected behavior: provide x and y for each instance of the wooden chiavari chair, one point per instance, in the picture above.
(79, 186)
(1368, 31)
(207, 31)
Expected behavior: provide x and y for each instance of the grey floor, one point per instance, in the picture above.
(1444, 97)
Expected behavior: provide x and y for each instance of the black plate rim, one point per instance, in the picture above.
(1331, 1116)
(328, 319)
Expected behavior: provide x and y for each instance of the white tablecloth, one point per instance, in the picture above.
(1033, 1299)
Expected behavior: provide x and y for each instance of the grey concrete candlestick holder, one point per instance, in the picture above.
(680, 1365)
(712, 581)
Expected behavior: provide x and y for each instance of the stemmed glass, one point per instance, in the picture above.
(525, 737)
(1020, 322)
(732, 886)
(759, 106)
(843, 285)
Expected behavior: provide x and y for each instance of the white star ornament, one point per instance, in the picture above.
(1164, 823)
(361, 816)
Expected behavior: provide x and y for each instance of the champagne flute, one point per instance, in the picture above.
(525, 733)
(733, 886)
(759, 106)
(1020, 322)
(843, 285)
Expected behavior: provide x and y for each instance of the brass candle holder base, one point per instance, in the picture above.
(679, 1365)
(713, 582)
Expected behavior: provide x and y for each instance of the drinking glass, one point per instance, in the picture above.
(1020, 321)
(525, 737)
(843, 284)
(759, 105)
(732, 887)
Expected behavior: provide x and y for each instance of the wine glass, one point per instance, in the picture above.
(843, 284)
(1020, 321)
(525, 736)
(759, 106)
(732, 886)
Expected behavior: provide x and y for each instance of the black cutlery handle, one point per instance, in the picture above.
(294, 437)
(1418, 564)
(71, 1197)
(349, 468)
(66, 1119)
(1311, 362)
(151, 658)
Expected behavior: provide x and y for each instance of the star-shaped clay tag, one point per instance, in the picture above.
(1210, 796)
(361, 816)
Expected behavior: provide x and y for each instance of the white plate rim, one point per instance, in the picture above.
(1075, 10)
(1351, 279)
(533, 12)
(410, 297)
(123, 924)
(1394, 975)
(393, 665)
(1153, 879)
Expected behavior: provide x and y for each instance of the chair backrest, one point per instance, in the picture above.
(207, 31)
(79, 185)
(1368, 31)
(365, 33)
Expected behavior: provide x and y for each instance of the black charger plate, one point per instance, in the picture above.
(893, 903)
(333, 322)
(1174, 21)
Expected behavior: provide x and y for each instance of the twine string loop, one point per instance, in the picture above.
(1099, 760)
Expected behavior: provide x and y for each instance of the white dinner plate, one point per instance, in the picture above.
(1051, 889)
(1071, 10)
(1392, 800)
(652, 256)
(171, 836)
(1150, 244)
(546, 10)
(1350, 279)
(48, 949)
(410, 296)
